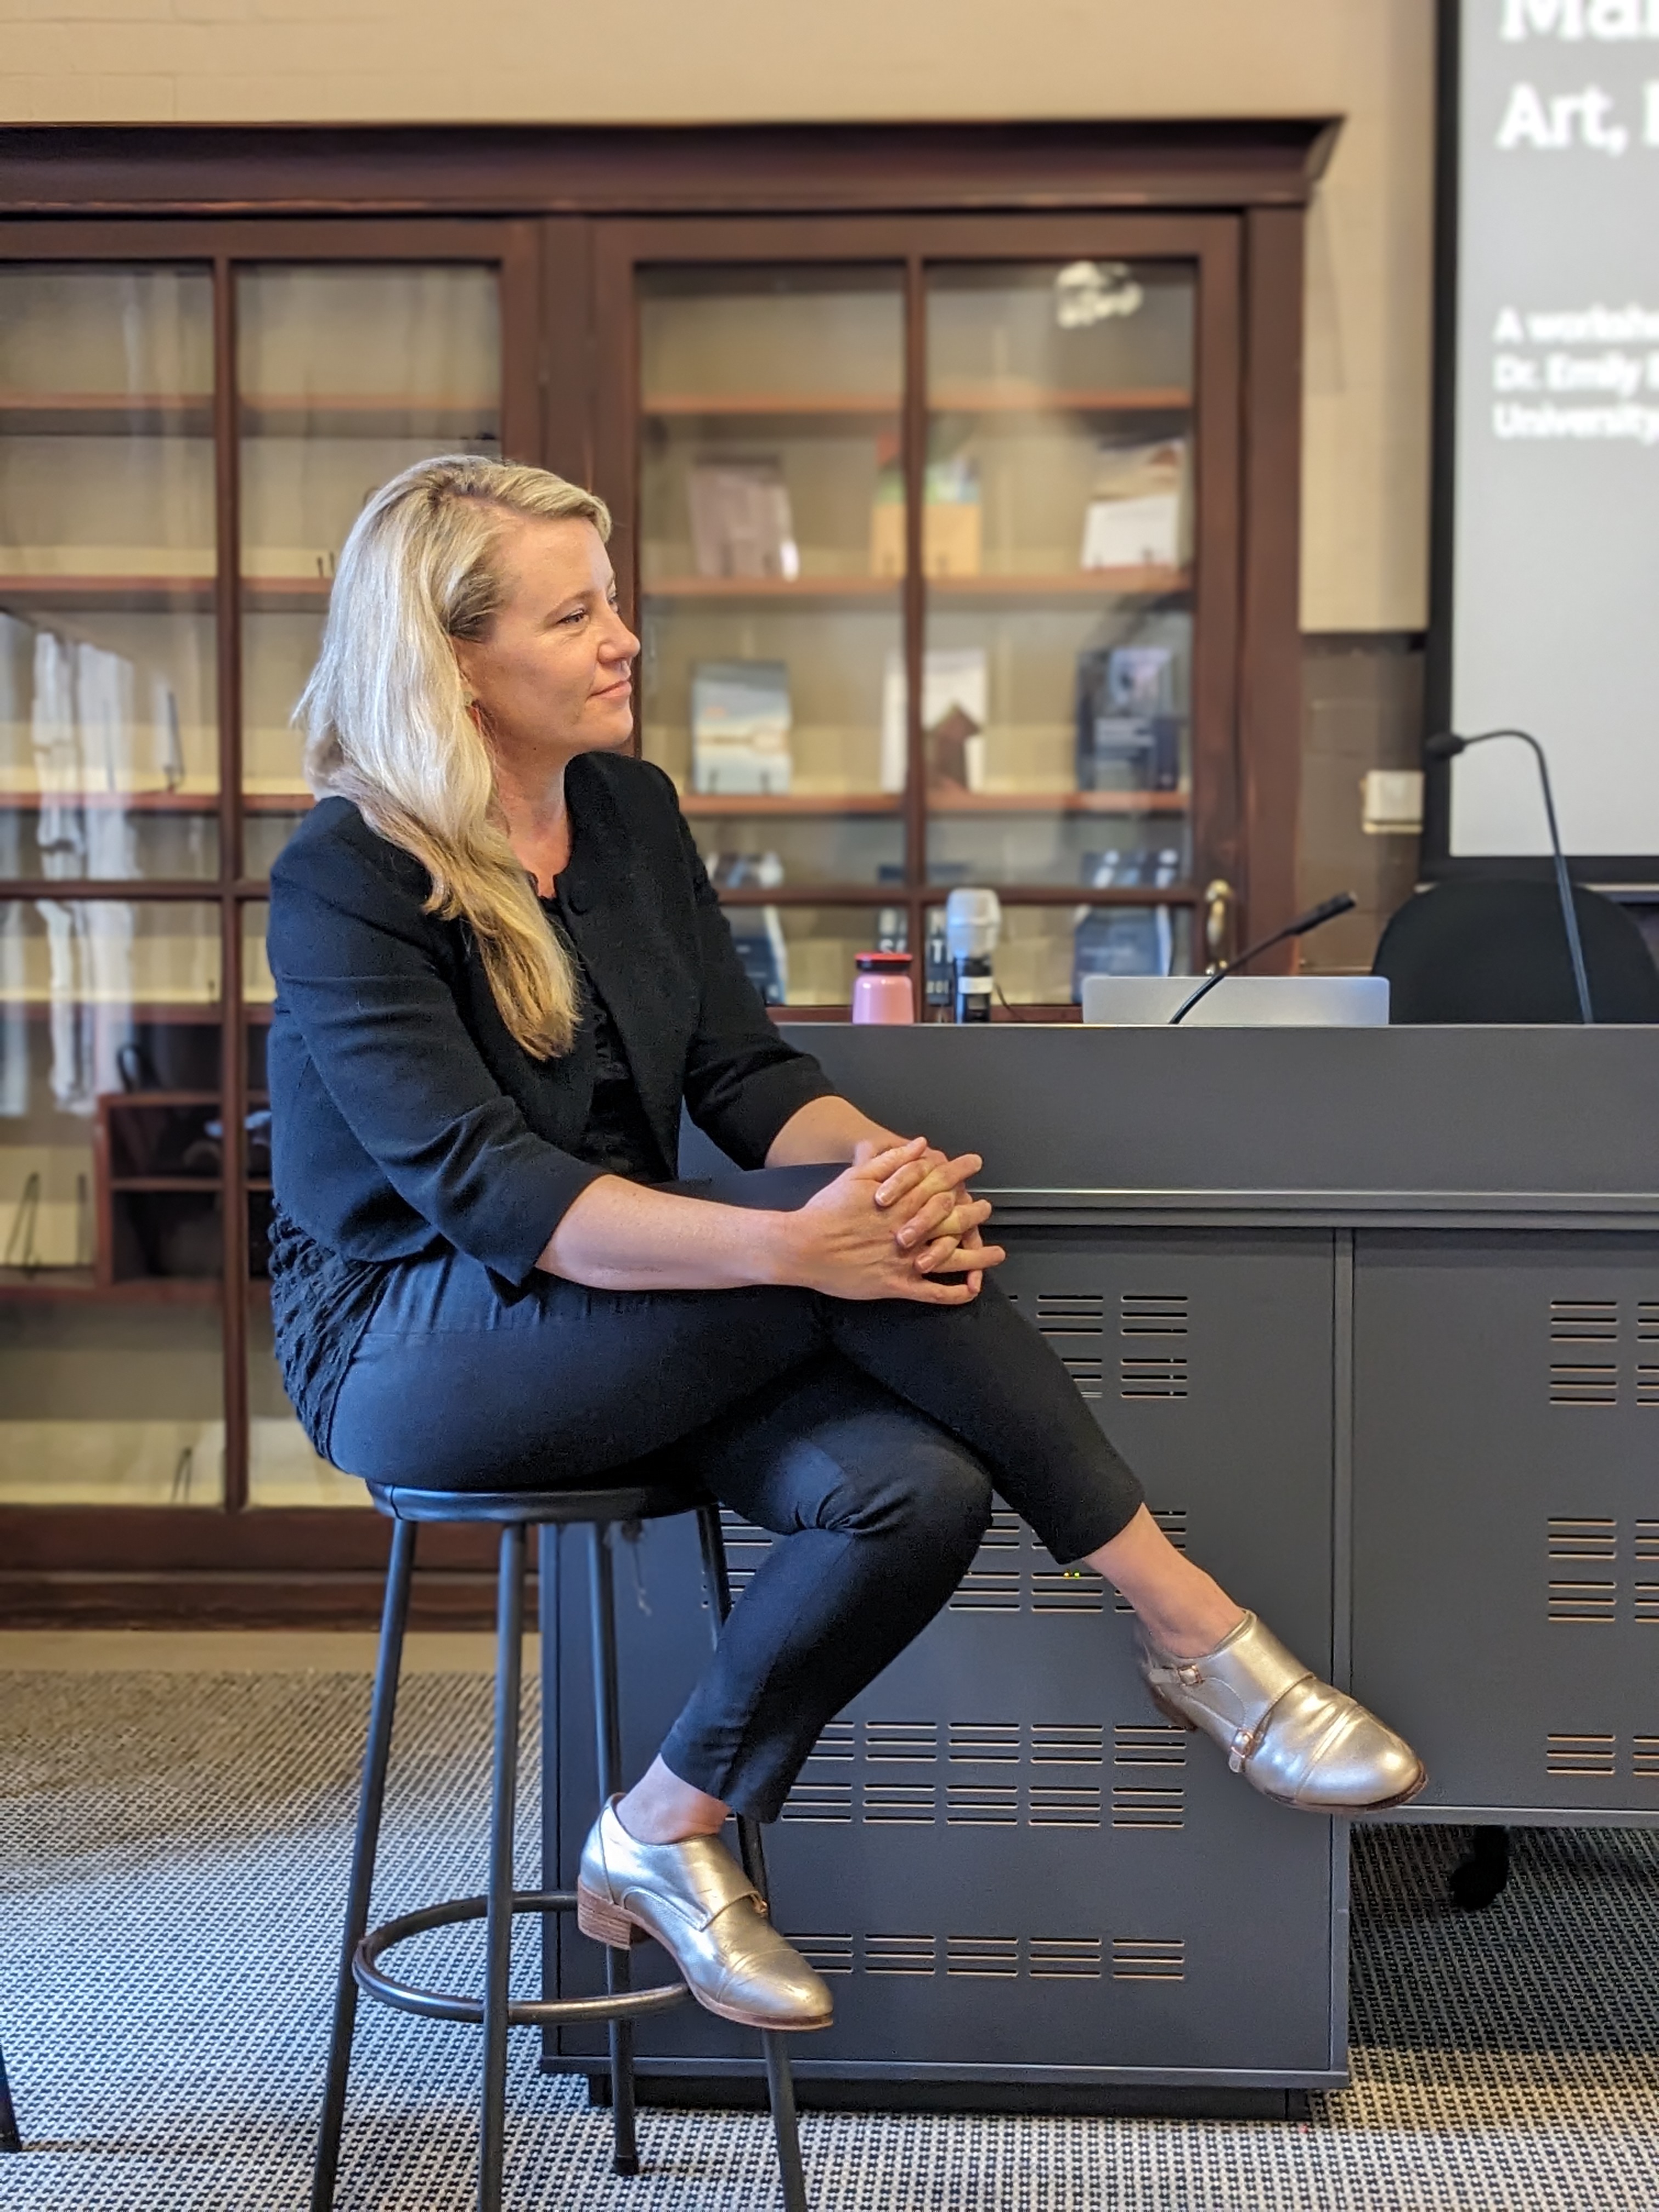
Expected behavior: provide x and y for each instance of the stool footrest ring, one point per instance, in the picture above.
(441, 2004)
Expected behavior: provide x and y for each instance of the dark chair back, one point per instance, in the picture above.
(1496, 951)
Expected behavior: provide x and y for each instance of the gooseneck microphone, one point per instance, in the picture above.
(1447, 746)
(1327, 910)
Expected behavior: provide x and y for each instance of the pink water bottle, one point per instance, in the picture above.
(882, 990)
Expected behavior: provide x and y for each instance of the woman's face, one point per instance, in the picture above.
(555, 675)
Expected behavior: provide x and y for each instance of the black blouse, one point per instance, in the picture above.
(405, 1121)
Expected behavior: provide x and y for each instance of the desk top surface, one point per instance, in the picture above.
(1327, 1125)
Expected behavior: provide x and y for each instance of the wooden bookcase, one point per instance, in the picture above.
(214, 342)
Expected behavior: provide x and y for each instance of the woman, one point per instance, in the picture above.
(501, 969)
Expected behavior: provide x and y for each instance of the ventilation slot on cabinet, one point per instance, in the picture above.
(1160, 1374)
(1579, 1754)
(1584, 1321)
(1065, 1958)
(1647, 1321)
(1644, 1758)
(1074, 1322)
(976, 1743)
(1065, 1805)
(746, 1547)
(826, 1954)
(1645, 1601)
(1583, 1600)
(1153, 1313)
(1067, 1743)
(1136, 1745)
(992, 1583)
(835, 1741)
(1066, 1590)
(1145, 1805)
(901, 1739)
(899, 1804)
(1647, 1383)
(1583, 1382)
(1647, 1540)
(824, 1801)
(1148, 1958)
(1584, 1540)
(898, 1954)
(982, 1804)
(990, 1957)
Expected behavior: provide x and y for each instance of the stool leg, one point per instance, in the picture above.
(619, 1969)
(9, 2138)
(498, 1915)
(377, 1752)
(780, 2076)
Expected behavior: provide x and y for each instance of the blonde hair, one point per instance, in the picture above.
(386, 720)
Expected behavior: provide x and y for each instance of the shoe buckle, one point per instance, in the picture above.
(1243, 1743)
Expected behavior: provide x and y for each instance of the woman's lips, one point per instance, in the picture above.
(615, 691)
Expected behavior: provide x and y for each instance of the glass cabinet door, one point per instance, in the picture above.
(1050, 506)
(771, 525)
(108, 714)
(1058, 536)
(345, 374)
(111, 1202)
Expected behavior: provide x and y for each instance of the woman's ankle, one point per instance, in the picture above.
(661, 1808)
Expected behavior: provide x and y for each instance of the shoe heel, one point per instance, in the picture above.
(603, 1923)
(1171, 1713)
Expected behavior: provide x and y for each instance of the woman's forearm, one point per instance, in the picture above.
(620, 1237)
(825, 1130)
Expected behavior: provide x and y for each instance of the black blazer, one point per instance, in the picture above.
(405, 1120)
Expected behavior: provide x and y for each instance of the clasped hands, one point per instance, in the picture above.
(899, 1222)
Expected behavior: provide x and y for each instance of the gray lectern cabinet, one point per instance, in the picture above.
(1376, 1315)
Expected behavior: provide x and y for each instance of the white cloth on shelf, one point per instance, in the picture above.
(81, 729)
(16, 644)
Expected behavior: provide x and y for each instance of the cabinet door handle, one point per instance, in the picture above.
(1220, 906)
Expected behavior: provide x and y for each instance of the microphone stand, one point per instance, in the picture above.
(1447, 746)
(1327, 910)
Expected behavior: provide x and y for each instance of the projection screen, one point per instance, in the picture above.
(1547, 566)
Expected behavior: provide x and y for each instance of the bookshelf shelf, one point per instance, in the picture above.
(1075, 584)
(696, 804)
(320, 414)
(298, 802)
(875, 591)
(1072, 584)
(1129, 802)
(80, 1286)
(69, 593)
(1038, 399)
(669, 406)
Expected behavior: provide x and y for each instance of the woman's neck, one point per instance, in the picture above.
(537, 820)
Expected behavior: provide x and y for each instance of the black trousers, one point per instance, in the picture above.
(870, 1437)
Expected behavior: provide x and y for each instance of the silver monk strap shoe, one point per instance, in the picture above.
(1291, 1736)
(706, 1914)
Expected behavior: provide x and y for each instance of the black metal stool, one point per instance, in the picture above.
(514, 1512)
(9, 2138)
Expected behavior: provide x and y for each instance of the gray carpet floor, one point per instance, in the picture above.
(174, 1851)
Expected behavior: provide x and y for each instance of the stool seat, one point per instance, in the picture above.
(638, 1500)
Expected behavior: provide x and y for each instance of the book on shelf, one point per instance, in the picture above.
(1134, 519)
(741, 521)
(1128, 735)
(952, 527)
(955, 709)
(740, 725)
(1124, 940)
(762, 949)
